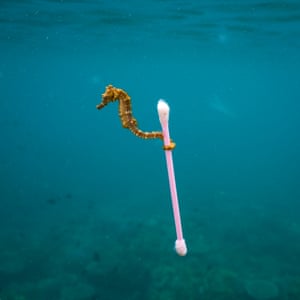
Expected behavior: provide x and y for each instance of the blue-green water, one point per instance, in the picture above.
(85, 206)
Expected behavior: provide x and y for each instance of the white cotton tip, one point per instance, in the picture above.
(163, 111)
(180, 247)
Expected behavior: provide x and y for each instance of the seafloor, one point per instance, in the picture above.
(96, 258)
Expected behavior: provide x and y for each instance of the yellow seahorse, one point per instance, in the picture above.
(113, 94)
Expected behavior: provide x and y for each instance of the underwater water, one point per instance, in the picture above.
(85, 205)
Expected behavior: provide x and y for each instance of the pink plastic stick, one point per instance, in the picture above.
(163, 112)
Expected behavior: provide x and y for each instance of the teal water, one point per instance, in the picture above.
(85, 206)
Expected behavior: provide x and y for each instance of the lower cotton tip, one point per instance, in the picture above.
(180, 247)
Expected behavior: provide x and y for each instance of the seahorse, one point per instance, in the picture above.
(113, 94)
